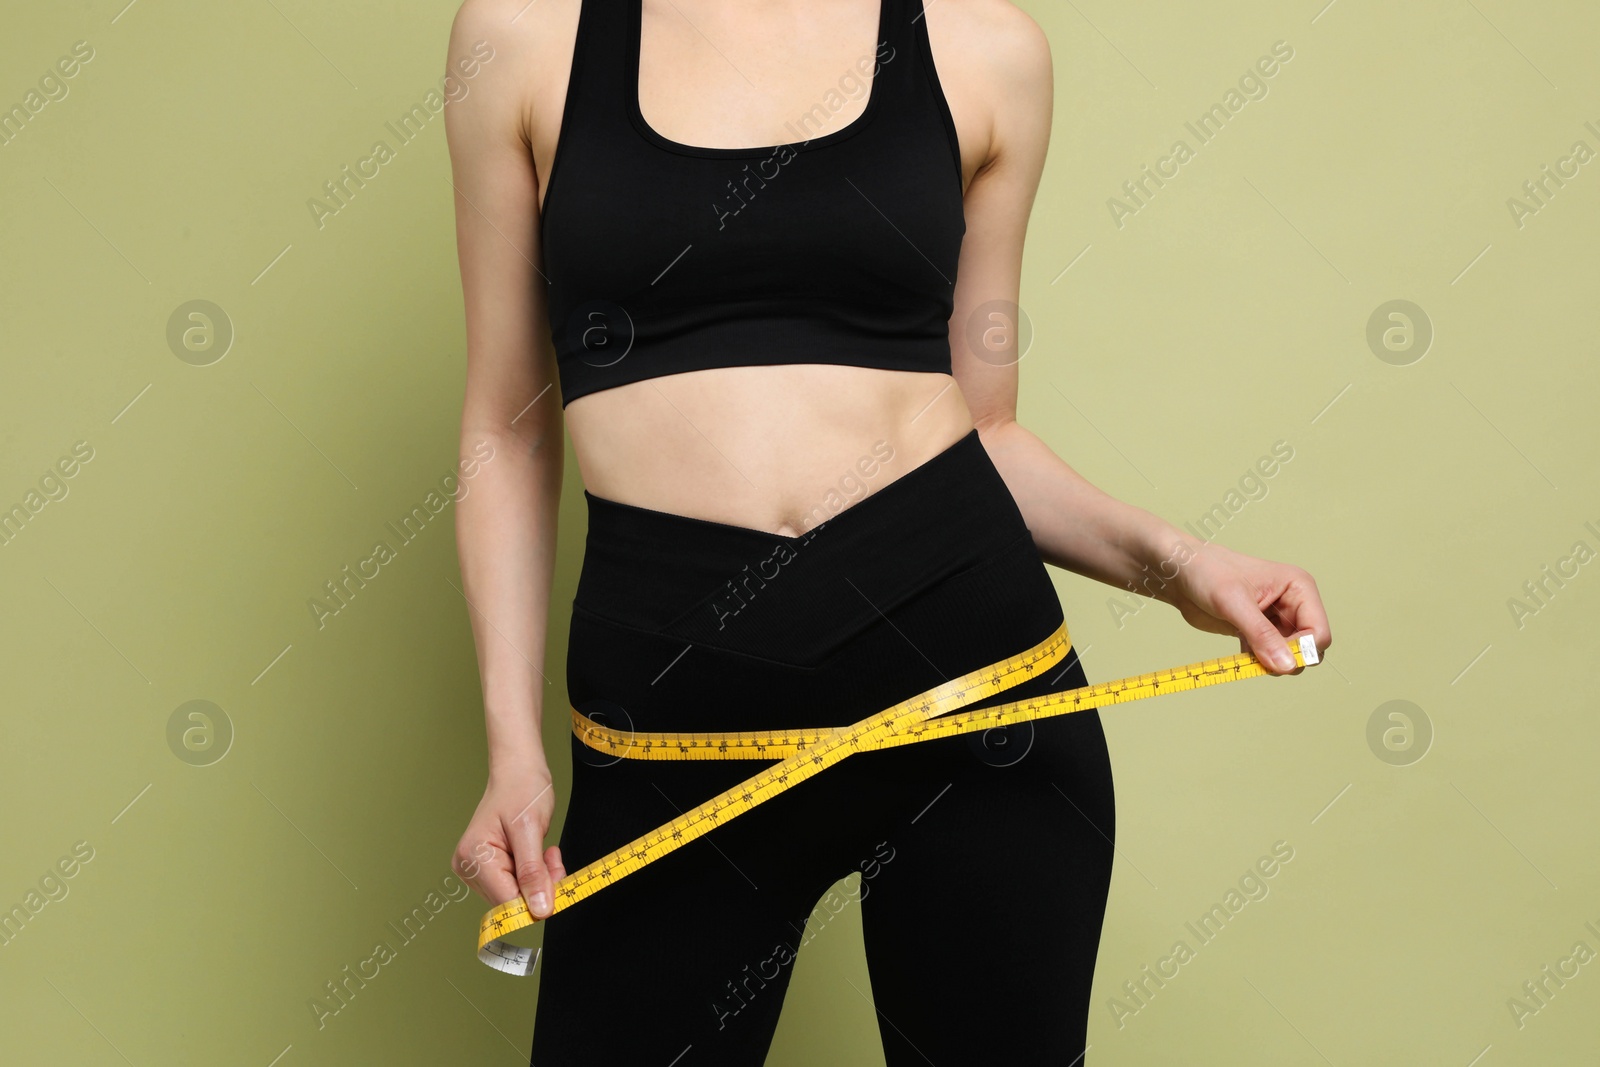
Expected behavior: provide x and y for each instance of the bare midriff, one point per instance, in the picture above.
(770, 448)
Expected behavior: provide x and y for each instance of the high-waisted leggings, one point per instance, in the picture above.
(982, 862)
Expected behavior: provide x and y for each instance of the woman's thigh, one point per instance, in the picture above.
(982, 933)
(693, 951)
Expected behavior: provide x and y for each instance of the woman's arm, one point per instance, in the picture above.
(1075, 525)
(506, 524)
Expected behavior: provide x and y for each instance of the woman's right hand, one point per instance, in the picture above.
(502, 855)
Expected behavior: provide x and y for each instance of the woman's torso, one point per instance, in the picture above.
(776, 448)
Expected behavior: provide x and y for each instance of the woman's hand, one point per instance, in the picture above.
(1256, 600)
(502, 853)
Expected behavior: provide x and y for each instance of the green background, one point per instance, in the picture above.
(1228, 313)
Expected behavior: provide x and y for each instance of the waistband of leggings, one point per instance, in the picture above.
(647, 568)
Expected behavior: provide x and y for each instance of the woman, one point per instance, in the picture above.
(719, 244)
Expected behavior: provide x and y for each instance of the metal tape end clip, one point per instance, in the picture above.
(512, 959)
(1308, 649)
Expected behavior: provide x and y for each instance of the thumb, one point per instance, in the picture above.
(533, 878)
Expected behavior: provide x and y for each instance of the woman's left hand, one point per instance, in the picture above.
(1256, 600)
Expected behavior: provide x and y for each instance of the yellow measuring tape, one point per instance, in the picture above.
(803, 753)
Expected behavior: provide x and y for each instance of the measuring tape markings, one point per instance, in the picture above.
(783, 743)
(809, 752)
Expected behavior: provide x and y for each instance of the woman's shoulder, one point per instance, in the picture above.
(995, 36)
(531, 45)
(994, 63)
(526, 21)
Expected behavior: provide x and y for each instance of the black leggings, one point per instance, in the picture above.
(983, 861)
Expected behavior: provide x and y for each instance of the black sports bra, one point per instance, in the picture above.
(838, 247)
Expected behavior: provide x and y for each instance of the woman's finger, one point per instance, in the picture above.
(1261, 636)
(487, 869)
(1301, 608)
